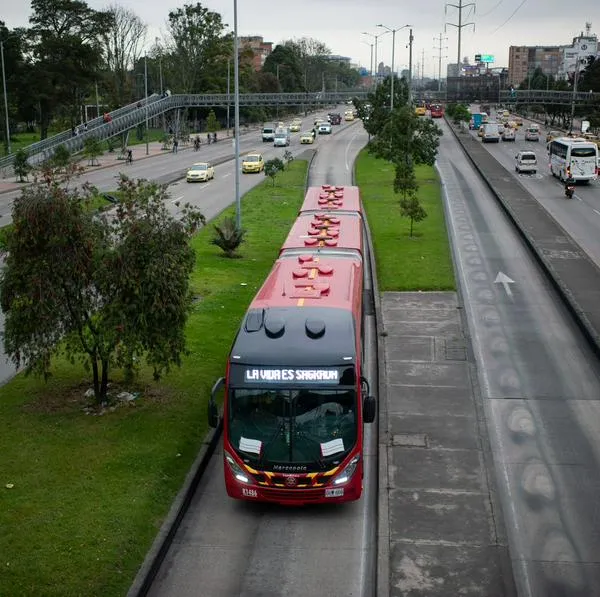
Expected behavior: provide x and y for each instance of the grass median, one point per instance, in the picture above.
(404, 263)
(83, 495)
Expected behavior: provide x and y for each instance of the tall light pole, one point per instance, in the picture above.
(393, 52)
(146, 93)
(156, 41)
(236, 133)
(228, 91)
(376, 37)
(5, 98)
(410, 44)
(579, 60)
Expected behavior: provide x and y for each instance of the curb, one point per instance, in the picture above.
(164, 538)
(591, 332)
(382, 568)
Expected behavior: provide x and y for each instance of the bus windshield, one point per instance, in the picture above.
(583, 152)
(293, 430)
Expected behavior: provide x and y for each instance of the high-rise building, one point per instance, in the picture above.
(573, 57)
(260, 48)
(524, 60)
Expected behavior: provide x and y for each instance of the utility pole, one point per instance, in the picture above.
(460, 26)
(228, 69)
(5, 99)
(422, 69)
(236, 130)
(98, 102)
(439, 47)
(574, 93)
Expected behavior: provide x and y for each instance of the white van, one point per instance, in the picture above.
(526, 162)
(490, 133)
(268, 133)
(282, 137)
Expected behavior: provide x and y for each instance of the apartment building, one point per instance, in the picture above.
(260, 48)
(524, 60)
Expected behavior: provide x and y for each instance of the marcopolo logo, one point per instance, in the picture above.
(272, 375)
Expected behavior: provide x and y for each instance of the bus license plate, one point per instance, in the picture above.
(338, 492)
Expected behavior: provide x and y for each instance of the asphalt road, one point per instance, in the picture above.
(580, 218)
(225, 548)
(540, 384)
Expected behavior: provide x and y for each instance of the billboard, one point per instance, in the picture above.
(486, 58)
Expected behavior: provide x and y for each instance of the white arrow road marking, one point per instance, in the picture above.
(503, 279)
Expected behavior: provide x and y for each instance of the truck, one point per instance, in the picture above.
(477, 120)
(268, 132)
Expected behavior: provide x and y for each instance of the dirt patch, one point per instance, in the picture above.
(80, 398)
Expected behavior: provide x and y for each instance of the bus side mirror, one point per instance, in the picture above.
(213, 409)
(369, 404)
(369, 409)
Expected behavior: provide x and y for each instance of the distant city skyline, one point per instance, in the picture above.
(340, 23)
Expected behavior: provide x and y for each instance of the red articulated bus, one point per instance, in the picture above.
(437, 111)
(295, 399)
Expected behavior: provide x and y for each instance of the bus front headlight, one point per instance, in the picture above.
(347, 472)
(236, 469)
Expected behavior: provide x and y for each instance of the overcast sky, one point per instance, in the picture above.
(339, 24)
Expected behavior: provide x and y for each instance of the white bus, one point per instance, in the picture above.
(574, 156)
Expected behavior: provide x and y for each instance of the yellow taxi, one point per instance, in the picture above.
(552, 135)
(349, 115)
(295, 126)
(420, 111)
(519, 121)
(307, 137)
(200, 172)
(253, 162)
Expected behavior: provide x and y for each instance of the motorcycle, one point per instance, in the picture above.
(569, 190)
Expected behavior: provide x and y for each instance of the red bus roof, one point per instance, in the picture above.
(326, 230)
(313, 281)
(332, 198)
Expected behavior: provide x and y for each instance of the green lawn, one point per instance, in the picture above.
(81, 495)
(422, 262)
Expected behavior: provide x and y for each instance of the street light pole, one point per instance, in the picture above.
(146, 92)
(8, 147)
(236, 133)
(393, 53)
(375, 71)
(228, 91)
(574, 94)
(410, 43)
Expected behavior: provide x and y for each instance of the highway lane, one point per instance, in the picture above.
(541, 388)
(579, 218)
(226, 548)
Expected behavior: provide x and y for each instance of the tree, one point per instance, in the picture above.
(212, 124)
(92, 149)
(291, 76)
(65, 55)
(21, 166)
(591, 76)
(273, 167)
(410, 207)
(405, 181)
(122, 47)
(379, 102)
(461, 114)
(197, 43)
(118, 289)
(229, 237)
(61, 157)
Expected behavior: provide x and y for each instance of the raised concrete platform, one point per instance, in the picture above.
(445, 532)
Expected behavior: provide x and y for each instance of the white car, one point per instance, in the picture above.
(532, 133)
(509, 134)
(526, 162)
(325, 128)
(200, 172)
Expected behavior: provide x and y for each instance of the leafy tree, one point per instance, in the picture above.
(92, 149)
(13, 69)
(212, 124)
(61, 157)
(291, 76)
(118, 289)
(65, 55)
(229, 237)
(273, 167)
(197, 43)
(21, 166)
(410, 207)
(405, 181)
(288, 156)
(461, 114)
(590, 77)
(379, 100)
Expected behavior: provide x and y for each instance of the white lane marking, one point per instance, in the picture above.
(177, 199)
(347, 150)
(598, 212)
(226, 175)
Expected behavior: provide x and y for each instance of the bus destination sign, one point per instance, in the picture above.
(273, 375)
